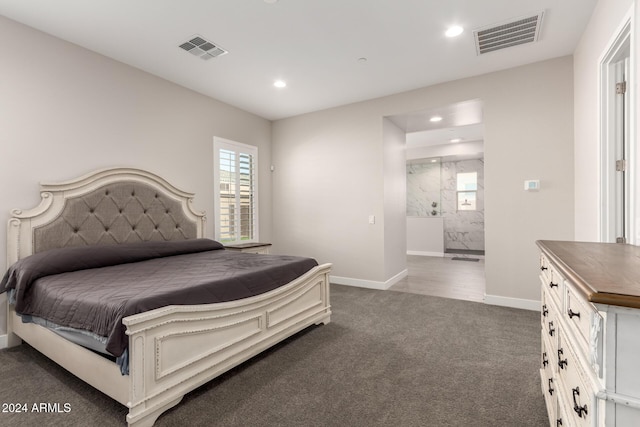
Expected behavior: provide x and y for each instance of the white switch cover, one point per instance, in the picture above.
(372, 219)
(532, 185)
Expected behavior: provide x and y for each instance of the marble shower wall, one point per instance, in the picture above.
(423, 189)
(428, 182)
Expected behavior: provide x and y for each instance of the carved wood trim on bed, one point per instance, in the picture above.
(173, 349)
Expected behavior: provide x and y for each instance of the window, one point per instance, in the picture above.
(467, 186)
(235, 187)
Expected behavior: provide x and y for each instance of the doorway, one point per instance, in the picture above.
(445, 201)
(617, 152)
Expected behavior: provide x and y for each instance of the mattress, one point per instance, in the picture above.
(93, 288)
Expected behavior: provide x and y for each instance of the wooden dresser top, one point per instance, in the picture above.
(606, 273)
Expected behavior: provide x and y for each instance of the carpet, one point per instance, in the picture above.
(386, 359)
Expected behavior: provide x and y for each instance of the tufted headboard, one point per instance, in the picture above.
(109, 206)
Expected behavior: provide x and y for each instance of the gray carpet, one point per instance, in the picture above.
(386, 359)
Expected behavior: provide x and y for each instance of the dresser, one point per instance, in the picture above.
(590, 333)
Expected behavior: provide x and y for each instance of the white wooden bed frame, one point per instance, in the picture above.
(174, 349)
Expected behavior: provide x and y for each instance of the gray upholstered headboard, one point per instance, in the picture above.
(109, 206)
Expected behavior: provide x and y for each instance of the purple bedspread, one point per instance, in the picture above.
(94, 288)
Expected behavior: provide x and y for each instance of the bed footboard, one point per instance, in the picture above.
(175, 349)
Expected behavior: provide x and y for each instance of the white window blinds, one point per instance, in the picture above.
(235, 183)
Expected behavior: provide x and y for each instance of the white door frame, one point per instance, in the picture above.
(612, 207)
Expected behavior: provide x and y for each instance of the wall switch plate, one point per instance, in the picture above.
(372, 219)
(532, 185)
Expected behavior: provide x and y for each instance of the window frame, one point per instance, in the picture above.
(238, 148)
(467, 191)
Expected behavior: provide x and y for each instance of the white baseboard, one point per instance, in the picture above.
(4, 341)
(423, 253)
(525, 304)
(395, 279)
(369, 284)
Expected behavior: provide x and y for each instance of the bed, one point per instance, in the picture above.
(171, 349)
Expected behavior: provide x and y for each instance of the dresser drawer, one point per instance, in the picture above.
(546, 356)
(549, 388)
(562, 418)
(550, 391)
(552, 280)
(574, 385)
(580, 315)
(549, 321)
(544, 264)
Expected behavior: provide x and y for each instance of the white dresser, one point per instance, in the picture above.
(590, 318)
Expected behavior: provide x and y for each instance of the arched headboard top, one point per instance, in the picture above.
(109, 206)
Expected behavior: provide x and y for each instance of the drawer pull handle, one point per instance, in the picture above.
(572, 314)
(545, 310)
(559, 422)
(579, 409)
(545, 359)
(551, 387)
(543, 268)
(561, 362)
(551, 328)
(553, 285)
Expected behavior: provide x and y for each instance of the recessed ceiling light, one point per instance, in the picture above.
(455, 140)
(435, 119)
(454, 31)
(280, 83)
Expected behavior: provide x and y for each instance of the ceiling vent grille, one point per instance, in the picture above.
(202, 48)
(508, 34)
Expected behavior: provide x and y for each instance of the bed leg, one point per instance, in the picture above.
(11, 339)
(324, 321)
(148, 419)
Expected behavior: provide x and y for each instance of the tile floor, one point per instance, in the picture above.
(444, 277)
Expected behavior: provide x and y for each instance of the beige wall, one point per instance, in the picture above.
(328, 179)
(65, 111)
(605, 22)
(395, 200)
(329, 175)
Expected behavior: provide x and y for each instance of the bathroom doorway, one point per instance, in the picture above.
(445, 201)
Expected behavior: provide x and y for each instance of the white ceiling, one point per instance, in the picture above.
(312, 44)
(459, 114)
(444, 136)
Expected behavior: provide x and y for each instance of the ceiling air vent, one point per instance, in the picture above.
(202, 48)
(507, 34)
